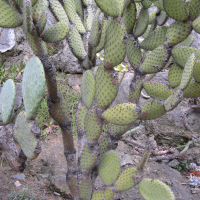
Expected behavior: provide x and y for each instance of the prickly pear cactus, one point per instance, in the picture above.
(122, 28)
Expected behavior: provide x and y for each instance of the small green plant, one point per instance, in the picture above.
(181, 167)
(51, 51)
(3, 76)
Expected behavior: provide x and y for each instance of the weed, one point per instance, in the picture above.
(3, 76)
(51, 50)
(181, 166)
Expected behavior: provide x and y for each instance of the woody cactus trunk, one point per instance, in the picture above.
(122, 28)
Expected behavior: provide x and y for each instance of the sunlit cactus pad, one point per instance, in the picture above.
(196, 73)
(182, 53)
(85, 190)
(88, 18)
(134, 95)
(107, 195)
(196, 25)
(87, 159)
(178, 31)
(155, 38)
(125, 180)
(33, 86)
(106, 89)
(152, 110)
(109, 167)
(176, 9)
(121, 114)
(9, 18)
(188, 71)
(157, 90)
(70, 9)
(142, 22)
(55, 32)
(80, 116)
(152, 189)
(27, 132)
(92, 126)
(175, 74)
(79, 25)
(187, 42)
(192, 90)
(7, 100)
(88, 88)
(79, 8)
(115, 45)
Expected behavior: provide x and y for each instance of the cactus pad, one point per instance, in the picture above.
(134, 94)
(26, 132)
(125, 180)
(56, 32)
(121, 114)
(162, 18)
(40, 25)
(194, 9)
(152, 110)
(182, 53)
(115, 45)
(192, 90)
(7, 100)
(146, 3)
(85, 190)
(176, 9)
(79, 25)
(188, 71)
(177, 32)
(187, 42)
(70, 9)
(92, 126)
(154, 39)
(109, 167)
(107, 195)
(79, 8)
(117, 129)
(175, 74)
(142, 23)
(9, 18)
(152, 189)
(133, 52)
(104, 143)
(154, 61)
(80, 116)
(157, 90)
(33, 86)
(196, 25)
(196, 73)
(106, 88)
(88, 88)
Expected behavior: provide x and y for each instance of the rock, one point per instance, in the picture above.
(17, 184)
(7, 39)
(194, 155)
(74, 79)
(19, 96)
(19, 176)
(173, 163)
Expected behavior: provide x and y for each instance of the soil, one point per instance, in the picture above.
(30, 185)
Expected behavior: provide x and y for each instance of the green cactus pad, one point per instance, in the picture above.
(188, 71)
(134, 94)
(154, 39)
(80, 116)
(103, 35)
(176, 9)
(56, 32)
(92, 126)
(40, 25)
(76, 43)
(142, 23)
(146, 33)
(79, 25)
(121, 114)
(129, 17)
(33, 86)
(88, 88)
(192, 90)
(87, 160)
(70, 9)
(159, 4)
(27, 16)
(20, 2)
(146, 3)
(152, 189)
(7, 100)
(23, 132)
(109, 167)
(117, 129)
(173, 100)
(58, 11)
(182, 53)
(177, 32)
(152, 110)
(9, 18)
(187, 42)
(104, 143)
(85, 190)
(112, 8)
(106, 195)
(152, 16)
(196, 25)
(88, 18)
(87, 2)
(79, 8)
(157, 90)
(174, 76)
(154, 61)
(125, 180)
(115, 46)
(134, 53)
(196, 73)
(194, 10)
(106, 87)
(162, 18)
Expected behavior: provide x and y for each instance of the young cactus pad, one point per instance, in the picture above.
(7, 100)
(33, 86)
(155, 190)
